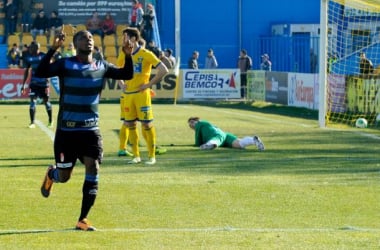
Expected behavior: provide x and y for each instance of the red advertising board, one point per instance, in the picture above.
(11, 83)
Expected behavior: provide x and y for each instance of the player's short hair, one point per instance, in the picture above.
(132, 32)
(34, 47)
(193, 118)
(77, 36)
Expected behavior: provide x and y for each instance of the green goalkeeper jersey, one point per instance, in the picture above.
(205, 131)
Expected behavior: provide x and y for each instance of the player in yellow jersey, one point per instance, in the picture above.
(136, 104)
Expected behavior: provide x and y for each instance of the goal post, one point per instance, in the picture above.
(349, 62)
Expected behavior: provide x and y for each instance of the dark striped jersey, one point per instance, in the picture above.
(80, 87)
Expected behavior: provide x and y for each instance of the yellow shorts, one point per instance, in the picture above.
(136, 106)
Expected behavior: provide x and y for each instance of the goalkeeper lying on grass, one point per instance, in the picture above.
(208, 136)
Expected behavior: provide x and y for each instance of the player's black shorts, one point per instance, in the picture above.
(38, 91)
(72, 145)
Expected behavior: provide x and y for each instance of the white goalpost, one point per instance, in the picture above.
(349, 62)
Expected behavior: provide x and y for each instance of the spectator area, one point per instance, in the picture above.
(110, 44)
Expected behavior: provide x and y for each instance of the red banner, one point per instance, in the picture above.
(11, 83)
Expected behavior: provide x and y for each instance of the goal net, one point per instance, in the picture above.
(350, 80)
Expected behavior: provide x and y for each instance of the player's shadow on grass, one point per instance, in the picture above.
(240, 162)
(25, 162)
(23, 158)
(34, 231)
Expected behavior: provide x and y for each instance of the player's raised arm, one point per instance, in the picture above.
(125, 73)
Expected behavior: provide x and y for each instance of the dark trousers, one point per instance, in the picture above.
(243, 85)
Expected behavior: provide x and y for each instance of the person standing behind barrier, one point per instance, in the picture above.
(136, 15)
(211, 62)
(313, 62)
(165, 60)
(169, 54)
(193, 61)
(244, 64)
(147, 24)
(365, 65)
(266, 64)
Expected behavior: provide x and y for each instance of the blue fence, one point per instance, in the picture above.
(287, 54)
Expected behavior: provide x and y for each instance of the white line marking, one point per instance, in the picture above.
(44, 128)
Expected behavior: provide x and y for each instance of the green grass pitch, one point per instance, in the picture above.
(311, 188)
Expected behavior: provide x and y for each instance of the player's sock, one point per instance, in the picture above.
(134, 140)
(89, 190)
(53, 174)
(150, 137)
(49, 111)
(246, 141)
(123, 137)
(32, 113)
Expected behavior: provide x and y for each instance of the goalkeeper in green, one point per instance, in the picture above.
(208, 136)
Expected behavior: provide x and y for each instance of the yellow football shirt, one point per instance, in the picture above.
(143, 61)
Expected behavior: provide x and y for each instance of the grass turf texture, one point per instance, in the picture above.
(311, 189)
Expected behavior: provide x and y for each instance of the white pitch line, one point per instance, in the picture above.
(243, 159)
(45, 129)
(206, 229)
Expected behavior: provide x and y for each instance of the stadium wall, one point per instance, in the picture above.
(226, 26)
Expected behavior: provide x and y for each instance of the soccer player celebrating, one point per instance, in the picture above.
(208, 136)
(78, 136)
(136, 103)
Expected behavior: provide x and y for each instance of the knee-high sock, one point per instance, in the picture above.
(32, 113)
(150, 138)
(123, 137)
(90, 190)
(134, 140)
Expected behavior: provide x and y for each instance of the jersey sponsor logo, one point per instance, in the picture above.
(137, 67)
(70, 124)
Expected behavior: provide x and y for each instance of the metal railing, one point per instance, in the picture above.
(287, 53)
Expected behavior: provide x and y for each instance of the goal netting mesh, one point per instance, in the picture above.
(353, 61)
